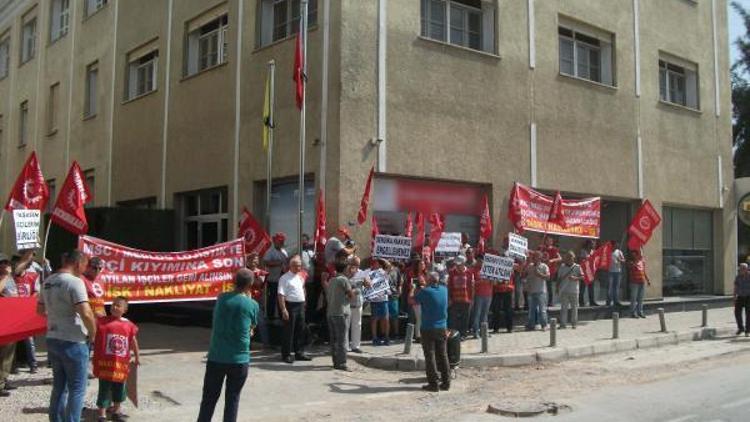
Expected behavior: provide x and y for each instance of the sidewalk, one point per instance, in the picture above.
(589, 339)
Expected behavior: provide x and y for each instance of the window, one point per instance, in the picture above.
(92, 73)
(4, 57)
(93, 6)
(586, 53)
(28, 39)
(279, 19)
(88, 175)
(207, 42)
(52, 108)
(467, 23)
(688, 251)
(205, 218)
(284, 203)
(52, 192)
(59, 19)
(23, 122)
(142, 71)
(678, 82)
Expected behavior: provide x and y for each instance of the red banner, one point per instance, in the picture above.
(365, 202)
(598, 259)
(256, 238)
(69, 212)
(530, 210)
(444, 198)
(643, 225)
(20, 319)
(143, 276)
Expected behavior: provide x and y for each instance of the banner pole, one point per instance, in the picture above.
(2, 217)
(301, 188)
(271, 125)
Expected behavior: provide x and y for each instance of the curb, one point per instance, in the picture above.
(549, 355)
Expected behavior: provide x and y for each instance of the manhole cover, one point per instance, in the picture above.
(515, 409)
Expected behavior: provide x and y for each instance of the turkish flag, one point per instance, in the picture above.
(437, 225)
(30, 190)
(20, 319)
(409, 229)
(69, 212)
(556, 212)
(419, 241)
(365, 202)
(598, 259)
(373, 233)
(642, 226)
(256, 238)
(320, 226)
(485, 224)
(299, 71)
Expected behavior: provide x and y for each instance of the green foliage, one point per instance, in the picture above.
(741, 98)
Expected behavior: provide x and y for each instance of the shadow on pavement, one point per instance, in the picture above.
(351, 388)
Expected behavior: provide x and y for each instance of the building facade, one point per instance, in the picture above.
(161, 103)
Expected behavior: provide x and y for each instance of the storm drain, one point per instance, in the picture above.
(527, 409)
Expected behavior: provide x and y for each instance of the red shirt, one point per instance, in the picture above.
(114, 341)
(506, 287)
(482, 287)
(552, 253)
(461, 286)
(638, 272)
(256, 290)
(96, 295)
(26, 283)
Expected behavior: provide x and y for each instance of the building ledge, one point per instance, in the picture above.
(283, 40)
(200, 72)
(564, 76)
(675, 106)
(138, 97)
(459, 47)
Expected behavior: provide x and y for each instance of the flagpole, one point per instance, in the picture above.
(269, 158)
(46, 236)
(301, 188)
(2, 217)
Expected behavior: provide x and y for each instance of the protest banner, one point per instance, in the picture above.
(132, 384)
(496, 268)
(518, 246)
(448, 245)
(530, 210)
(143, 276)
(27, 228)
(379, 280)
(396, 248)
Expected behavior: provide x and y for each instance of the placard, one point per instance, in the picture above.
(379, 280)
(518, 246)
(27, 228)
(449, 244)
(396, 248)
(496, 268)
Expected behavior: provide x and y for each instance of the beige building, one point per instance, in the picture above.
(160, 101)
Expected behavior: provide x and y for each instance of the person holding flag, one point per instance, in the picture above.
(638, 277)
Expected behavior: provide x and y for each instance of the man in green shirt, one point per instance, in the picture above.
(235, 317)
(338, 293)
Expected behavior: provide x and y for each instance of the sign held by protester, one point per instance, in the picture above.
(518, 246)
(378, 287)
(449, 244)
(396, 248)
(496, 268)
(27, 228)
(143, 276)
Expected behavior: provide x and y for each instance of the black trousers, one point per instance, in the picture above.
(435, 347)
(293, 335)
(236, 374)
(273, 291)
(590, 287)
(502, 303)
(742, 302)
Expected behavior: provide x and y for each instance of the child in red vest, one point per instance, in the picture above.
(115, 339)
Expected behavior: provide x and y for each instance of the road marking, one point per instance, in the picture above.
(737, 403)
(683, 418)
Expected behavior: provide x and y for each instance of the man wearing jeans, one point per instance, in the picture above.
(70, 326)
(235, 316)
(615, 274)
(537, 274)
(461, 288)
(638, 277)
(433, 299)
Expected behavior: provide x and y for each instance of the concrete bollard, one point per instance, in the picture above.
(553, 332)
(615, 325)
(408, 338)
(704, 320)
(485, 337)
(662, 320)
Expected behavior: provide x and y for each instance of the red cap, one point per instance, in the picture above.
(279, 237)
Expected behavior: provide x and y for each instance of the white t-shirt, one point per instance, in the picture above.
(616, 266)
(292, 287)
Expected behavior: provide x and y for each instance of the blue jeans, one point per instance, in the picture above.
(636, 298)
(613, 293)
(70, 362)
(30, 352)
(481, 309)
(537, 310)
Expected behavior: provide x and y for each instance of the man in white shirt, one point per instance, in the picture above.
(275, 261)
(291, 298)
(615, 275)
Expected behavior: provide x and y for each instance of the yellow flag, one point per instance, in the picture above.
(267, 113)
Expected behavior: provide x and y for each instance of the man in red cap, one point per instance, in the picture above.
(275, 260)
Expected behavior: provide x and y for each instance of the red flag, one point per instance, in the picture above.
(30, 190)
(606, 256)
(299, 71)
(256, 238)
(556, 212)
(20, 319)
(514, 209)
(375, 231)
(419, 241)
(69, 212)
(408, 231)
(642, 226)
(362, 216)
(485, 224)
(320, 227)
(598, 259)
(437, 224)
